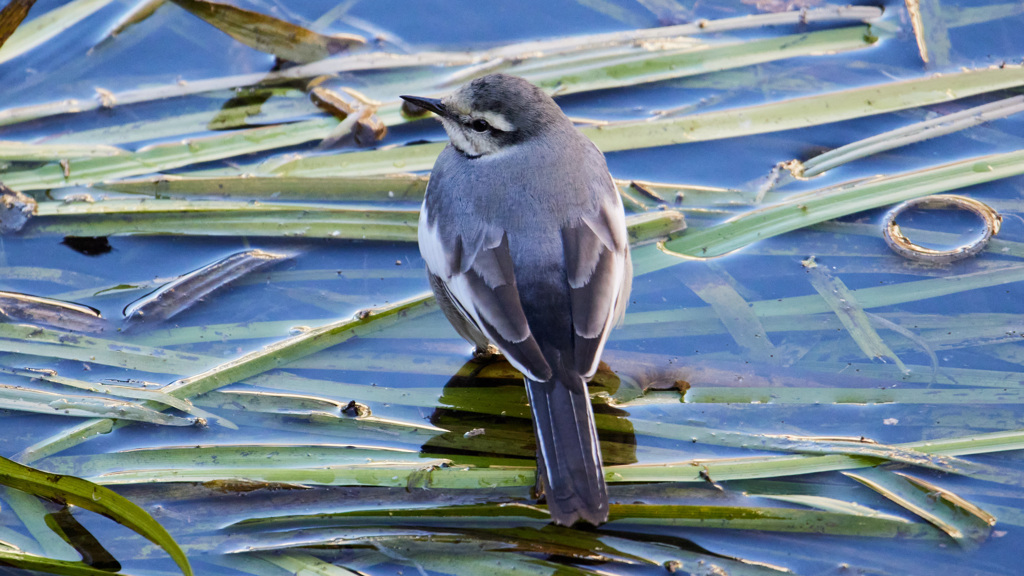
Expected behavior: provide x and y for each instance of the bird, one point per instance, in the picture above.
(523, 233)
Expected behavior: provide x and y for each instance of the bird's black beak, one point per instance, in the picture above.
(432, 104)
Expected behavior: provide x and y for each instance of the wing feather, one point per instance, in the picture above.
(479, 279)
(600, 273)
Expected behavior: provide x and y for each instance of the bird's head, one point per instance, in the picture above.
(494, 113)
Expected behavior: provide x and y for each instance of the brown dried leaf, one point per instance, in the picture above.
(271, 35)
(11, 17)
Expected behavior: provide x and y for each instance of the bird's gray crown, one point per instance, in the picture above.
(524, 107)
(494, 113)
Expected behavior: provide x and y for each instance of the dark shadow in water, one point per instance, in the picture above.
(88, 245)
(486, 413)
(71, 531)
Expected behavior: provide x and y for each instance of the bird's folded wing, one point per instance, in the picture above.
(480, 278)
(599, 271)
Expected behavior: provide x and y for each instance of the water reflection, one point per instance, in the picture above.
(485, 410)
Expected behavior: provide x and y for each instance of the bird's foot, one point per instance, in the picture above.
(485, 354)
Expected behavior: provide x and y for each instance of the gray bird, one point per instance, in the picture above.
(524, 238)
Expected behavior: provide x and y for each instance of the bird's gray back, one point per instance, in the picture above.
(530, 199)
(512, 189)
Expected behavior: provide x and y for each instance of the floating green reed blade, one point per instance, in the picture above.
(386, 188)
(380, 474)
(835, 201)
(966, 523)
(306, 564)
(94, 498)
(41, 564)
(65, 344)
(227, 456)
(806, 111)
(288, 219)
(623, 517)
(404, 473)
(307, 396)
(722, 469)
(876, 395)
(223, 217)
(42, 28)
(22, 151)
(301, 345)
(647, 67)
(438, 553)
(23, 399)
(831, 505)
(110, 390)
(169, 155)
(917, 132)
(767, 519)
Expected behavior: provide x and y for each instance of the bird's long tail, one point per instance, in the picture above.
(568, 452)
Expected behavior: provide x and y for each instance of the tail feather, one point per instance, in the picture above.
(568, 452)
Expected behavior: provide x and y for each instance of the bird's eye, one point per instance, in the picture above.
(480, 125)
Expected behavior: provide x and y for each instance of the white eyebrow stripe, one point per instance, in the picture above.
(498, 121)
